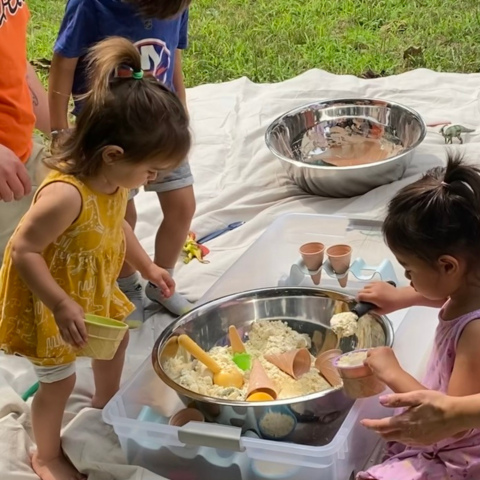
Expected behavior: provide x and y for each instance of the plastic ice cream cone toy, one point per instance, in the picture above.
(224, 378)
(324, 364)
(260, 387)
(294, 363)
(358, 379)
(312, 255)
(339, 257)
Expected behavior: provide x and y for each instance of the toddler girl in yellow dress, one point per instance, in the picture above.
(65, 256)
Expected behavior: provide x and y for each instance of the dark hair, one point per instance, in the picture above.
(438, 214)
(141, 115)
(161, 9)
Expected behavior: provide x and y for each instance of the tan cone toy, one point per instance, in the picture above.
(324, 364)
(340, 257)
(235, 340)
(312, 255)
(294, 363)
(260, 382)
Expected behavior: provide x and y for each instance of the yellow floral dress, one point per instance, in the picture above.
(85, 261)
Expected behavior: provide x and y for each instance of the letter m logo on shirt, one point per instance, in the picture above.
(156, 57)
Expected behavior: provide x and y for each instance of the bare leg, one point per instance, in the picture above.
(107, 375)
(49, 462)
(178, 209)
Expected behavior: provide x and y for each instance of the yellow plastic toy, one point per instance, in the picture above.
(192, 250)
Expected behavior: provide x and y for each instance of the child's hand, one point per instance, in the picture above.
(70, 318)
(162, 279)
(383, 362)
(387, 298)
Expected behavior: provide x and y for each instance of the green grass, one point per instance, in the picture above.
(272, 40)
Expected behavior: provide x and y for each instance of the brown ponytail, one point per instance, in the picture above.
(437, 215)
(103, 59)
(131, 110)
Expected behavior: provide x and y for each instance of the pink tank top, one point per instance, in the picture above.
(450, 459)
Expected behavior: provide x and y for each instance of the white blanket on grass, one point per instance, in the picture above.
(236, 178)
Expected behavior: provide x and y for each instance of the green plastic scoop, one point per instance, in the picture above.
(240, 356)
(243, 361)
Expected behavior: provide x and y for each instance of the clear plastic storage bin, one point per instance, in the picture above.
(267, 263)
(140, 411)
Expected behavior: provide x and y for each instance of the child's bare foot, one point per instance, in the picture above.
(57, 469)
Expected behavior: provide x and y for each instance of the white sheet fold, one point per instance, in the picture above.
(236, 178)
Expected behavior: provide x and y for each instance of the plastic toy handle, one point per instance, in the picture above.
(217, 233)
(191, 347)
(362, 308)
(235, 340)
(213, 235)
(31, 392)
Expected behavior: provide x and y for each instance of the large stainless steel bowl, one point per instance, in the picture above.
(369, 142)
(306, 310)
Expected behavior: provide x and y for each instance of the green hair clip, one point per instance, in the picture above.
(137, 75)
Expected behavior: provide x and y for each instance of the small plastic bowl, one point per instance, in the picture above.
(358, 380)
(281, 417)
(352, 371)
(186, 415)
(273, 470)
(104, 337)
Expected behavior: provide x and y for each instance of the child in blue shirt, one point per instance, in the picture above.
(159, 29)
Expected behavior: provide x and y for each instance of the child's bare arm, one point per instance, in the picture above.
(138, 258)
(384, 364)
(389, 299)
(178, 81)
(60, 89)
(135, 255)
(39, 101)
(465, 379)
(56, 208)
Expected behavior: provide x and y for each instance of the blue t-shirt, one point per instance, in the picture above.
(86, 22)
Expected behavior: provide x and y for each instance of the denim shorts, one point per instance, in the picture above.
(179, 178)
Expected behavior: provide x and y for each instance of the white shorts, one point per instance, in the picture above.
(54, 374)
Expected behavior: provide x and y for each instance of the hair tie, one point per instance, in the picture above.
(124, 71)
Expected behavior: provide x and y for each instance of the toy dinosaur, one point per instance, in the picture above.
(454, 131)
(192, 250)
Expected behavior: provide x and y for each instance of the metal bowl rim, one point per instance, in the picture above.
(167, 333)
(328, 103)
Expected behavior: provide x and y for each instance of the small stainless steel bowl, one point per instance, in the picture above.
(370, 142)
(306, 310)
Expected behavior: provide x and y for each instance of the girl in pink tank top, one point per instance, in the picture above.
(433, 228)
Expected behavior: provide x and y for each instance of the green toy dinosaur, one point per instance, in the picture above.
(454, 131)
